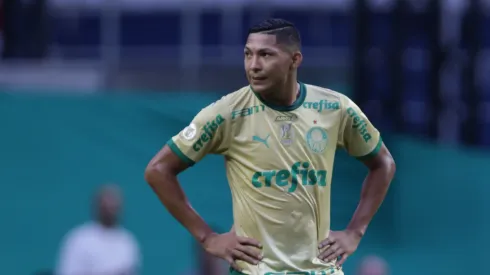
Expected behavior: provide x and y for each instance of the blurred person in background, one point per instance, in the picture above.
(373, 265)
(101, 246)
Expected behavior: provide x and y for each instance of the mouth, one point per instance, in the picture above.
(258, 79)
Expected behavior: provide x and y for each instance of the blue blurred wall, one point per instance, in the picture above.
(55, 150)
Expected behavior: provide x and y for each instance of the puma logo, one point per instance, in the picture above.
(261, 140)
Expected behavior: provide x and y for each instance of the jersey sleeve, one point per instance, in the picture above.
(357, 134)
(208, 133)
(72, 260)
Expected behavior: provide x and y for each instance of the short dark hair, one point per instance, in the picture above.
(285, 31)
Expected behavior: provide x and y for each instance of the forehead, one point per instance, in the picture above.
(257, 41)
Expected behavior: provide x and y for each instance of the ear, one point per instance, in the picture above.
(297, 59)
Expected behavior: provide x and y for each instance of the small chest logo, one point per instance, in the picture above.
(316, 140)
(287, 134)
(262, 140)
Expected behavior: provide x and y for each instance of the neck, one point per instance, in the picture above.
(285, 95)
(107, 224)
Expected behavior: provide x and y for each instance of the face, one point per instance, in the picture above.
(109, 206)
(268, 65)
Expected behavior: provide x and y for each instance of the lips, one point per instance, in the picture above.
(257, 78)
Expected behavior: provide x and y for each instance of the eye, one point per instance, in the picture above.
(265, 54)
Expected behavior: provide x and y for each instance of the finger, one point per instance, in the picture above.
(233, 264)
(249, 241)
(329, 251)
(342, 260)
(238, 255)
(250, 251)
(326, 242)
(235, 267)
(335, 255)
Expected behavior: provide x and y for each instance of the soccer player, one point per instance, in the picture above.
(279, 138)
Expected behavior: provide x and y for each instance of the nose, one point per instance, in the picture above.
(255, 64)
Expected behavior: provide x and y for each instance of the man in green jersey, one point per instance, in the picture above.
(279, 138)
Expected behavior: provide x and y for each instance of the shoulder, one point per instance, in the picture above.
(237, 96)
(231, 100)
(330, 98)
(317, 91)
(322, 91)
(223, 107)
(127, 236)
(79, 234)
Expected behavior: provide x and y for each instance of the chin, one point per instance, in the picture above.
(260, 88)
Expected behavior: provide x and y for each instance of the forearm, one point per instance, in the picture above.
(373, 192)
(168, 190)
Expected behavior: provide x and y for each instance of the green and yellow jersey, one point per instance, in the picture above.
(279, 163)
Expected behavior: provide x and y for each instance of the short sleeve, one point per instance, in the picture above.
(357, 134)
(72, 259)
(208, 133)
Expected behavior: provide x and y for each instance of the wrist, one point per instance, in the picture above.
(357, 231)
(205, 237)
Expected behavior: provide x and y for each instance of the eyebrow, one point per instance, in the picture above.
(261, 49)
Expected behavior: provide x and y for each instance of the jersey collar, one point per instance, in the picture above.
(299, 101)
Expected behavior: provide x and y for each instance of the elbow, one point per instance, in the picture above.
(384, 164)
(390, 166)
(163, 167)
(153, 172)
(149, 172)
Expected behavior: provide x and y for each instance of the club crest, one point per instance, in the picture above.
(316, 140)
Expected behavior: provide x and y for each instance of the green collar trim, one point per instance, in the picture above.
(299, 101)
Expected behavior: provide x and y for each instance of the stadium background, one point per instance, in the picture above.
(91, 90)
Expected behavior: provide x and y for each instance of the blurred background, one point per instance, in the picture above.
(91, 89)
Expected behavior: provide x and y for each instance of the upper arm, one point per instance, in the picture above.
(167, 160)
(357, 134)
(382, 159)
